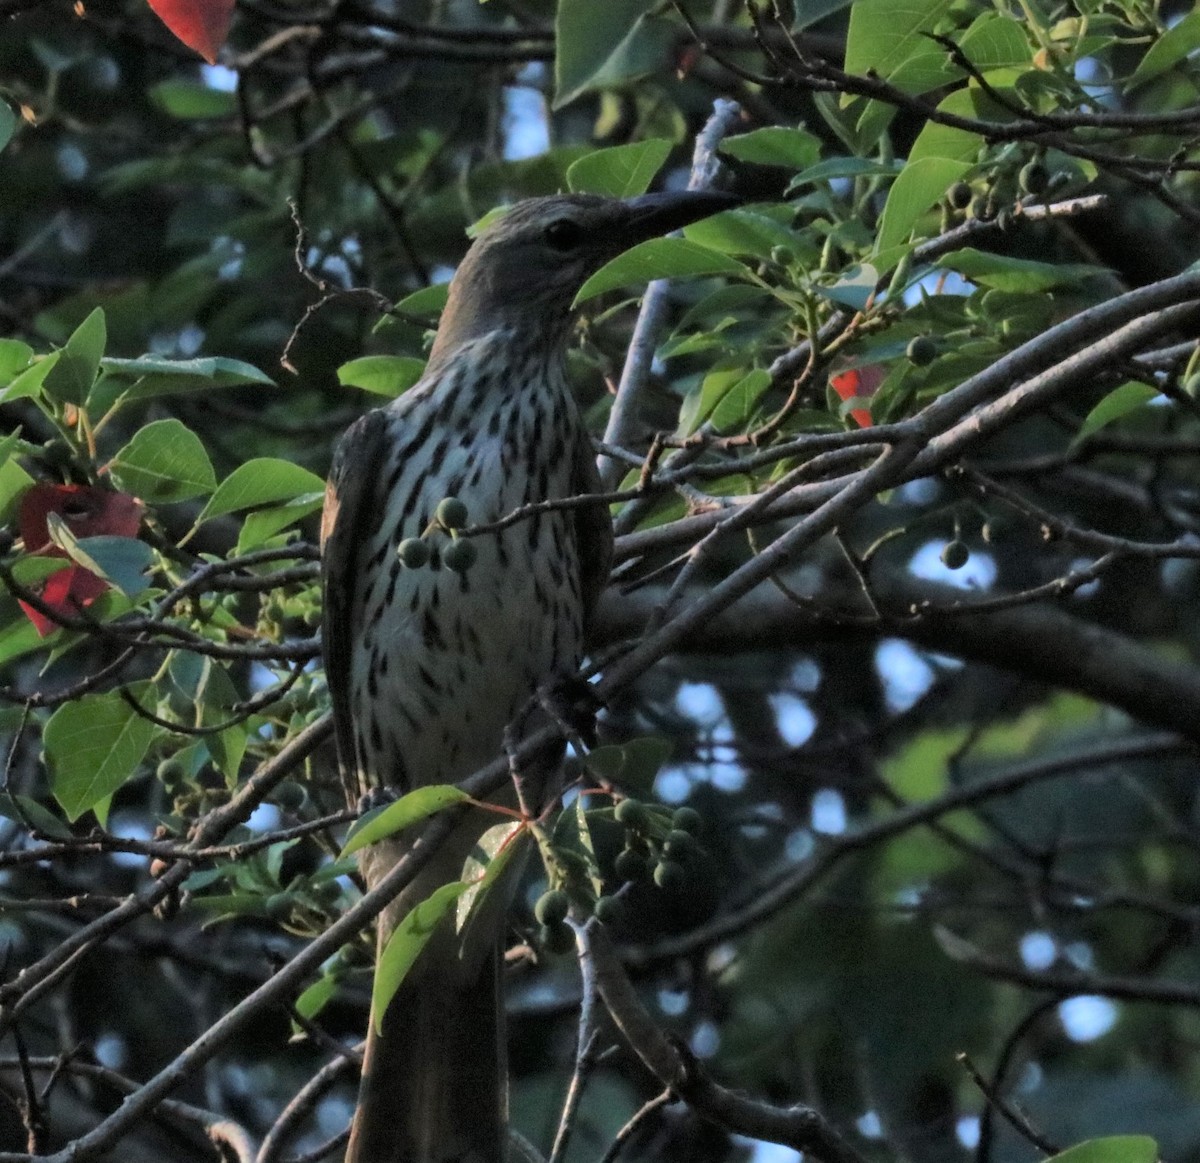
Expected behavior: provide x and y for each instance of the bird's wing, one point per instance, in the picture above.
(350, 516)
(593, 532)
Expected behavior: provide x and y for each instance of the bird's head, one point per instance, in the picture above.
(524, 269)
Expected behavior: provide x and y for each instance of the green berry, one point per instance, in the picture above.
(783, 256)
(171, 773)
(552, 907)
(1033, 178)
(556, 938)
(955, 554)
(451, 513)
(981, 208)
(959, 195)
(631, 865)
(670, 876)
(459, 555)
(609, 910)
(921, 351)
(290, 796)
(631, 813)
(687, 820)
(413, 552)
(678, 844)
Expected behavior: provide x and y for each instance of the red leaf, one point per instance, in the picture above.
(64, 592)
(860, 383)
(88, 512)
(202, 25)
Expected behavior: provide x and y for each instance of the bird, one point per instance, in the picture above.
(431, 653)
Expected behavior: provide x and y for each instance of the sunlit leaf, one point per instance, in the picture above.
(417, 804)
(660, 258)
(621, 171)
(165, 461)
(405, 945)
(93, 746)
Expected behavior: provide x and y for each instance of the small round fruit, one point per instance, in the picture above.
(959, 195)
(171, 773)
(631, 865)
(678, 844)
(413, 552)
(609, 910)
(451, 513)
(552, 907)
(631, 813)
(955, 554)
(921, 351)
(290, 796)
(981, 208)
(459, 555)
(556, 938)
(687, 820)
(670, 876)
(1033, 178)
(783, 256)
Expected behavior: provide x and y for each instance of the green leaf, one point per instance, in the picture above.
(634, 764)
(31, 380)
(1016, 274)
(483, 870)
(996, 42)
(1129, 397)
(660, 258)
(602, 46)
(164, 461)
(920, 186)
(853, 289)
(8, 123)
(259, 527)
(14, 480)
(385, 375)
(15, 357)
(1112, 1149)
(844, 167)
(416, 805)
(406, 943)
(741, 232)
(93, 745)
(263, 481)
(121, 561)
(24, 811)
(738, 402)
(191, 101)
(74, 372)
(1173, 46)
(623, 171)
(426, 301)
(154, 376)
(888, 38)
(316, 997)
(775, 145)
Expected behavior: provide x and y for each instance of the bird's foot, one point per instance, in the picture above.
(572, 704)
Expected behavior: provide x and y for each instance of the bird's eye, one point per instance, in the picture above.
(563, 234)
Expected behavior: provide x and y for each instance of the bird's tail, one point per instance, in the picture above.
(434, 1082)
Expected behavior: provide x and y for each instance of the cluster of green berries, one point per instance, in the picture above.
(1032, 180)
(451, 516)
(656, 849)
(659, 845)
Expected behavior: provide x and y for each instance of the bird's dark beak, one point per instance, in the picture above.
(653, 215)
